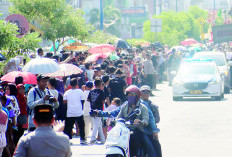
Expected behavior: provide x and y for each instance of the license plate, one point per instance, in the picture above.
(196, 92)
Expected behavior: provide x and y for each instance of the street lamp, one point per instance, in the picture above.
(101, 16)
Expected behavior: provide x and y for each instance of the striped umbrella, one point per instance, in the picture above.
(66, 70)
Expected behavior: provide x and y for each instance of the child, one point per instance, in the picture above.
(114, 104)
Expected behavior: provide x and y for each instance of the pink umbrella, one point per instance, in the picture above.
(66, 70)
(188, 42)
(95, 57)
(102, 48)
(28, 78)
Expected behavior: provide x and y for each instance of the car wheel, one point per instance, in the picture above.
(177, 98)
(226, 90)
(222, 95)
(218, 98)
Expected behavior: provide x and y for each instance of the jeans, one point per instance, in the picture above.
(148, 145)
(69, 122)
(97, 129)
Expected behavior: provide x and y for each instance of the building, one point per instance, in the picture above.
(215, 4)
(4, 6)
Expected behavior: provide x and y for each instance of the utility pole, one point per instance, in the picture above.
(177, 5)
(214, 5)
(101, 16)
(155, 7)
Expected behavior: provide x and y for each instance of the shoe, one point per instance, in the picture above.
(84, 142)
(93, 142)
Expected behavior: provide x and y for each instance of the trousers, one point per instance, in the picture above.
(97, 129)
(69, 122)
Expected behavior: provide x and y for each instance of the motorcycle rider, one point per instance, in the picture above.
(140, 121)
(154, 111)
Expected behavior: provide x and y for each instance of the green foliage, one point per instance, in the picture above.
(177, 26)
(137, 42)
(11, 45)
(100, 37)
(112, 18)
(55, 17)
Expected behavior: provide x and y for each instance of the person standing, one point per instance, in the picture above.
(74, 98)
(39, 95)
(87, 108)
(117, 87)
(3, 127)
(44, 141)
(149, 71)
(97, 99)
(22, 122)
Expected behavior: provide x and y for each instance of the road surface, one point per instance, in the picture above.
(198, 127)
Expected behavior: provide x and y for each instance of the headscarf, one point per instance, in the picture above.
(22, 100)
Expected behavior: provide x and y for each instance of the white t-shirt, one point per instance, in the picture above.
(87, 107)
(54, 92)
(74, 105)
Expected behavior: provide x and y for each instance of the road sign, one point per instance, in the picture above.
(156, 25)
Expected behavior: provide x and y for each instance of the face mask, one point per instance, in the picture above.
(132, 100)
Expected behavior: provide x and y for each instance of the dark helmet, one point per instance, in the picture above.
(133, 89)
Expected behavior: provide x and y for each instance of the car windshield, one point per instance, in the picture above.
(219, 59)
(196, 69)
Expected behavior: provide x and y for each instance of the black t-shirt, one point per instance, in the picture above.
(116, 86)
(106, 92)
(96, 97)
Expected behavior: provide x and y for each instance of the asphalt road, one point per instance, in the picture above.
(198, 127)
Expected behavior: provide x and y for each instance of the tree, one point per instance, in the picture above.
(55, 17)
(11, 45)
(176, 26)
(100, 37)
(112, 19)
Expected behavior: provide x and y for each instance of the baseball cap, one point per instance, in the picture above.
(89, 84)
(42, 76)
(145, 87)
(43, 111)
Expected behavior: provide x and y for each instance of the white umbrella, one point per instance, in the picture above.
(41, 66)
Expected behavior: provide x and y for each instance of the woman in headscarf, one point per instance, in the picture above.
(22, 117)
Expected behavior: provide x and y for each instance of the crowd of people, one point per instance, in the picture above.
(101, 88)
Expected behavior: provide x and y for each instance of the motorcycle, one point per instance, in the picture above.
(117, 142)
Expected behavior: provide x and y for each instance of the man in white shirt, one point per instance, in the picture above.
(75, 101)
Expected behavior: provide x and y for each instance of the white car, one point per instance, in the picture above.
(221, 62)
(198, 78)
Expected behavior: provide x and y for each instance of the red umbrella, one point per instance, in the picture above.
(102, 48)
(95, 57)
(188, 42)
(66, 70)
(28, 78)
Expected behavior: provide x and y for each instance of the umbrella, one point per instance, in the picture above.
(41, 66)
(114, 57)
(66, 70)
(179, 48)
(197, 45)
(28, 78)
(102, 48)
(196, 49)
(188, 42)
(76, 47)
(123, 44)
(2, 57)
(95, 57)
